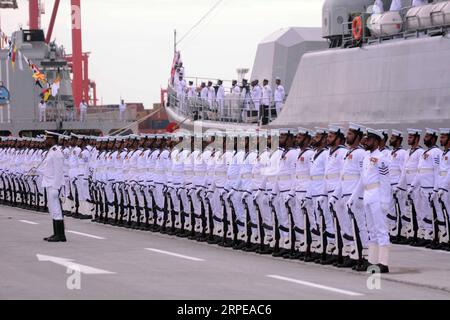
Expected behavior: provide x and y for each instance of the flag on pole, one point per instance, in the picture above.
(13, 57)
(56, 85)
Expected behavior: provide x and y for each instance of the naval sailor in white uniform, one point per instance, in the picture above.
(426, 182)
(443, 195)
(52, 173)
(409, 173)
(398, 207)
(375, 189)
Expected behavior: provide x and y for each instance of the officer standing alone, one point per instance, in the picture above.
(52, 173)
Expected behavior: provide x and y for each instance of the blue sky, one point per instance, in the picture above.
(132, 41)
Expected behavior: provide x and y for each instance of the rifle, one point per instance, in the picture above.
(356, 235)
(165, 209)
(248, 224)
(275, 226)
(399, 216)
(3, 190)
(308, 235)
(37, 199)
(116, 202)
(146, 208)
(234, 222)
(435, 223)
(172, 214)
(202, 214)
(415, 224)
(154, 208)
(192, 214)
(224, 219)
(137, 206)
(260, 225)
(446, 217)
(323, 231)
(211, 219)
(77, 200)
(292, 228)
(182, 213)
(339, 240)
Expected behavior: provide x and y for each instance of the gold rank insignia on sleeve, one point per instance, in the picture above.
(374, 160)
(426, 156)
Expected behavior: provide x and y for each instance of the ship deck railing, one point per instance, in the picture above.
(232, 109)
(367, 38)
(53, 114)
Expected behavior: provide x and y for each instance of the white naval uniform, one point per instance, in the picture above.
(233, 188)
(318, 193)
(220, 182)
(285, 191)
(181, 93)
(426, 182)
(279, 96)
(199, 182)
(220, 97)
(350, 176)
(396, 5)
(53, 180)
(178, 184)
(160, 181)
(246, 190)
(270, 177)
(83, 111)
(375, 188)
(256, 97)
(333, 169)
(301, 185)
(444, 188)
(378, 7)
(211, 97)
(397, 159)
(409, 173)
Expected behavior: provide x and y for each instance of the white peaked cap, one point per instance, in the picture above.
(397, 133)
(356, 127)
(377, 133)
(415, 132)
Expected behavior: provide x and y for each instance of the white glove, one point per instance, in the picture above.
(244, 198)
(410, 191)
(333, 200)
(440, 194)
(433, 195)
(305, 203)
(350, 203)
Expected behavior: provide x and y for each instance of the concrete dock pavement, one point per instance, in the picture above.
(115, 263)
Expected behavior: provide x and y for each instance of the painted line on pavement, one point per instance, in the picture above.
(317, 286)
(175, 255)
(423, 249)
(85, 235)
(29, 222)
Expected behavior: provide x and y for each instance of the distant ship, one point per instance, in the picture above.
(384, 70)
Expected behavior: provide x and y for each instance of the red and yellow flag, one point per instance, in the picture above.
(13, 57)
